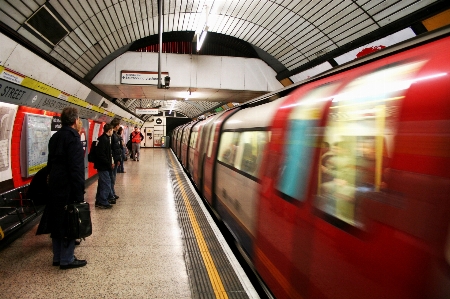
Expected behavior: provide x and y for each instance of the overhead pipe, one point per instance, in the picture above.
(160, 41)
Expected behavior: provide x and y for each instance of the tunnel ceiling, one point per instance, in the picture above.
(290, 36)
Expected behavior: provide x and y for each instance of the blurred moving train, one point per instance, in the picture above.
(341, 189)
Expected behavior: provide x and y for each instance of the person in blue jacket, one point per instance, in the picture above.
(65, 166)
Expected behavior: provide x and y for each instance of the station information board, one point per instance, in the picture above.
(36, 132)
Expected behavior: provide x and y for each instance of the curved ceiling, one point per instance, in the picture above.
(290, 35)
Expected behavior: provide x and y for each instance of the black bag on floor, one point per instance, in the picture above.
(78, 220)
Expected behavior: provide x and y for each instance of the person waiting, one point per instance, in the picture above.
(136, 138)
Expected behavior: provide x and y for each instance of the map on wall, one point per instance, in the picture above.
(36, 132)
(7, 115)
(96, 131)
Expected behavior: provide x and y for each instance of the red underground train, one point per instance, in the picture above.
(341, 189)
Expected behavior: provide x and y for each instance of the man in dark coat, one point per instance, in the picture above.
(104, 165)
(116, 150)
(38, 189)
(66, 185)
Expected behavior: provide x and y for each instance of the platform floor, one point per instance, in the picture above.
(153, 243)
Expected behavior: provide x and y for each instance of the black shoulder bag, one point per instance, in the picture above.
(78, 220)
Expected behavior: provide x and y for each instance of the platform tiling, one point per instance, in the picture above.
(144, 247)
(209, 273)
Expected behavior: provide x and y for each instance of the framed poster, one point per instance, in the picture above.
(7, 115)
(36, 132)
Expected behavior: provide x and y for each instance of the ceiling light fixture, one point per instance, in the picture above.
(203, 28)
(189, 94)
(171, 106)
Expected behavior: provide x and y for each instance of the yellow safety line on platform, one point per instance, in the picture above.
(213, 274)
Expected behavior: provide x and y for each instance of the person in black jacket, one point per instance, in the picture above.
(65, 166)
(124, 150)
(116, 149)
(104, 165)
(38, 189)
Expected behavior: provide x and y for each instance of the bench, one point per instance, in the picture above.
(15, 210)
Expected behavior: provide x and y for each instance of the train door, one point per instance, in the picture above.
(285, 176)
(211, 156)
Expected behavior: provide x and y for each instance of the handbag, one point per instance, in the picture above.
(79, 220)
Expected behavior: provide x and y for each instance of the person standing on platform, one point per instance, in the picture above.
(116, 150)
(136, 138)
(124, 149)
(65, 166)
(104, 164)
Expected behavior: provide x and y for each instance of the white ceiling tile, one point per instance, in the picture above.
(74, 6)
(132, 11)
(341, 15)
(351, 27)
(316, 9)
(68, 56)
(7, 20)
(106, 45)
(320, 45)
(86, 8)
(399, 10)
(253, 9)
(69, 44)
(239, 27)
(125, 13)
(81, 66)
(63, 13)
(113, 16)
(86, 31)
(363, 29)
(344, 24)
(91, 32)
(116, 12)
(241, 8)
(255, 35)
(296, 63)
(140, 28)
(383, 6)
(366, 4)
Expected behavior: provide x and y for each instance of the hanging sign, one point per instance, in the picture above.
(141, 77)
(146, 111)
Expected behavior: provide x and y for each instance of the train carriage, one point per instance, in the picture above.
(242, 143)
(369, 218)
(341, 189)
(186, 143)
(209, 164)
(203, 129)
(179, 140)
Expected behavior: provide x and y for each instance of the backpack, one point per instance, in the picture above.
(92, 156)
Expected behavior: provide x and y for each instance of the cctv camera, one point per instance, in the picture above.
(166, 82)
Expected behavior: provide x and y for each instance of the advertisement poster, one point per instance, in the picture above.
(96, 131)
(7, 116)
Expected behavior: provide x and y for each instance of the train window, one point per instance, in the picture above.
(228, 147)
(249, 151)
(301, 142)
(211, 139)
(193, 139)
(185, 137)
(358, 138)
